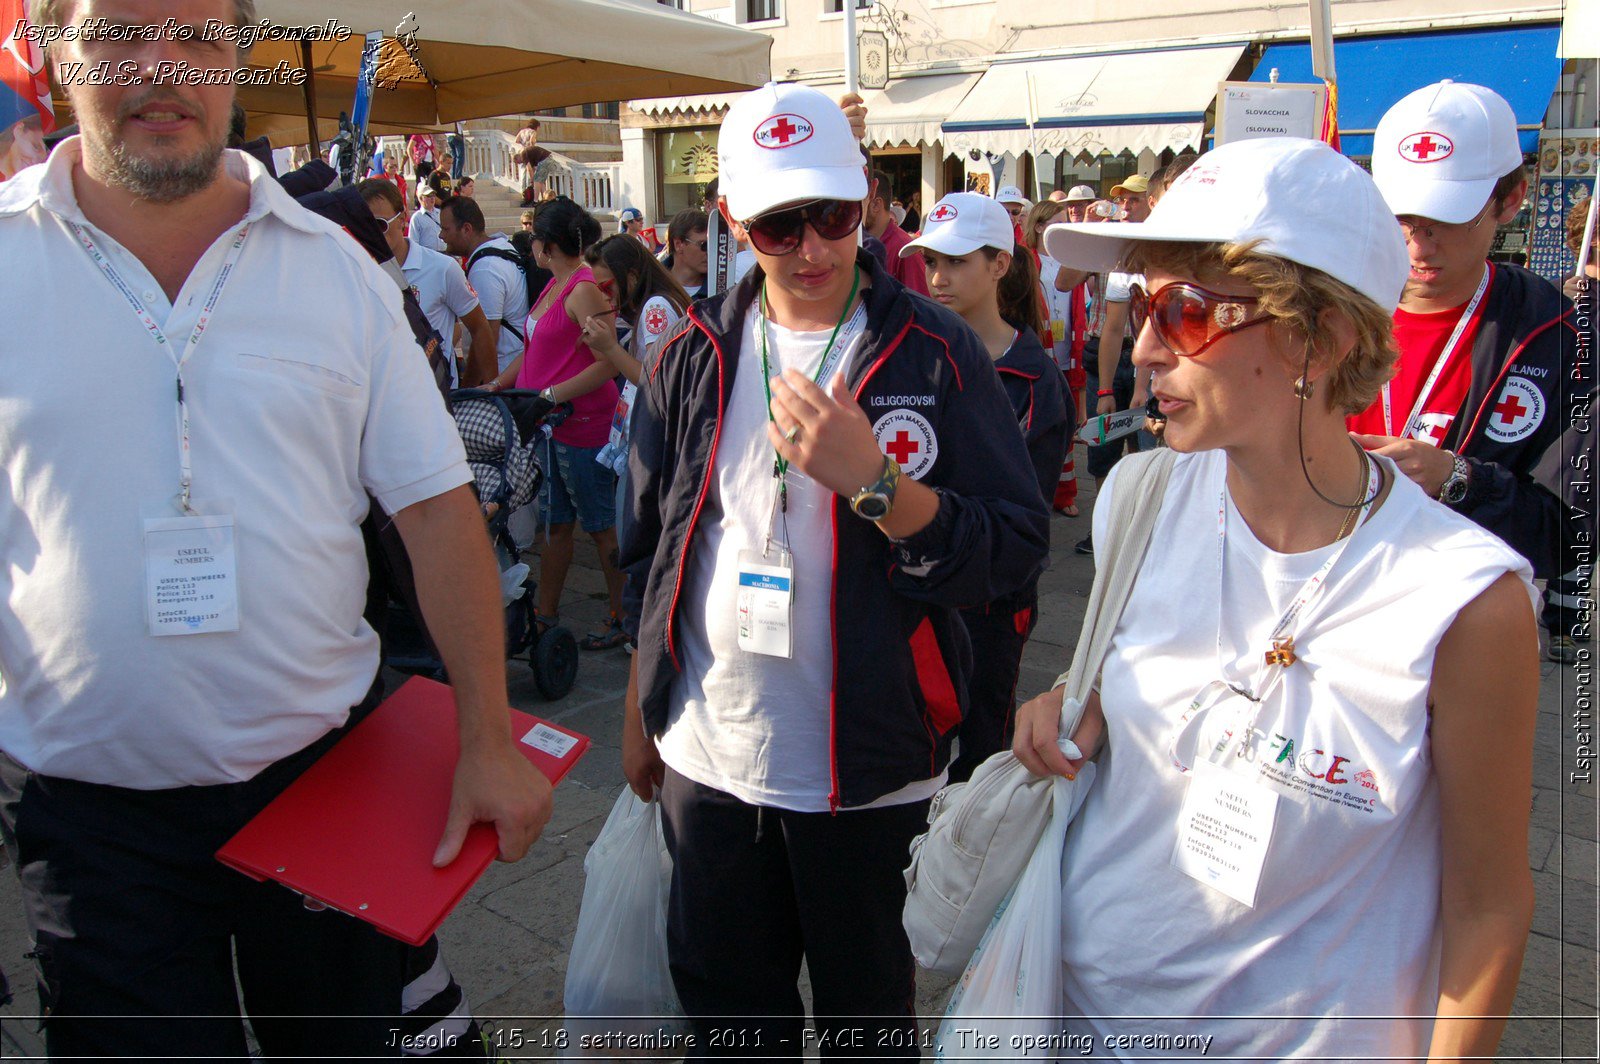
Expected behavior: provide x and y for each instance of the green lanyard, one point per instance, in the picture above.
(780, 465)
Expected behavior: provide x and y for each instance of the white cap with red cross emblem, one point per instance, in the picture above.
(782, 144)
(1438, 152)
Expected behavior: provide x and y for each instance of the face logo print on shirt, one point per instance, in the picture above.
(783, 131)
(1426, 148)
(1517, 412)
(908, 438)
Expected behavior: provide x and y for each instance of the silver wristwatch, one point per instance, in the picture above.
(1455, 485)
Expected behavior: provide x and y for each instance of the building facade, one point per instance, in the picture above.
(984, 93)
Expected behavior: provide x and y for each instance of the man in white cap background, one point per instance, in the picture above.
(1077, 199)
(1479, 413)
(1016, 204)
(824, 469)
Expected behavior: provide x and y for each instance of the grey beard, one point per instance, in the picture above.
(160, 182)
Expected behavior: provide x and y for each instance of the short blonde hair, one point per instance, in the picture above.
(1297, 296)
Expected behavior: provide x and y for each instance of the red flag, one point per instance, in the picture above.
(22, 66)
(1330, 116)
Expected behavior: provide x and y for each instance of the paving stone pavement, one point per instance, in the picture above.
(508, 941)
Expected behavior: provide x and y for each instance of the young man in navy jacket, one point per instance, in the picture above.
(1486, 405)
(825, 468)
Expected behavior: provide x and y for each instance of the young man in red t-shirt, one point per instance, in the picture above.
(1482, 410)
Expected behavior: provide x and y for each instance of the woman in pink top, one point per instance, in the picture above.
(557, 362)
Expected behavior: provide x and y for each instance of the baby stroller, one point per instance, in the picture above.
(501, 432)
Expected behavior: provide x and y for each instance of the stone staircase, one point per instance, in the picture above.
(502, 208)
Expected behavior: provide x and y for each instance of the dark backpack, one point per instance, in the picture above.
(534, 277)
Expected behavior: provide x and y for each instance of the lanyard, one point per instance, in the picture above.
(1271, 670)
(780, 465)
(1439, 365)
(235, 250)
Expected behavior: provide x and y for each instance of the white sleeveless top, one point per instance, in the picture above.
(1346, 916)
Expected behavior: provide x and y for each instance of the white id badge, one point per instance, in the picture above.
(766, 604)
(1224, 830)
(191, 575)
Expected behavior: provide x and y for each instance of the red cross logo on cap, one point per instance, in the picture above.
(1426, 148)
(783, 131)
(942, 213)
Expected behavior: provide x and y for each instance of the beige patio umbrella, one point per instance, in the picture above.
(447, 62)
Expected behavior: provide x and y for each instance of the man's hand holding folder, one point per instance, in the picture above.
(495, 784)
(459, 590)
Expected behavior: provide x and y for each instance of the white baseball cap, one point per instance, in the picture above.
(961, 223)
(1438, 152)
(1081, 194)
(787, 144)
(1300, 199)
(1010, 194)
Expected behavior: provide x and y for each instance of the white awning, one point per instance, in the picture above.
(911, 110)
(908, 112)
(1093, 103)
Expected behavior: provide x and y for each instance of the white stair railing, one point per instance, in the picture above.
(492, 155)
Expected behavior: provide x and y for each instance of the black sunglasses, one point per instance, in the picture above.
(780, 232)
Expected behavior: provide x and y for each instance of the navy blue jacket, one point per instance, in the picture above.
(1522, 483)
(901, 656)
(1038, 397)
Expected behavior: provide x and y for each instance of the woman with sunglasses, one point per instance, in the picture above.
(556, 361)
(1314, 726)
(976, 270)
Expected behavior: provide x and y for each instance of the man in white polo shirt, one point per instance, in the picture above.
(440, 285)
(496, 272)
(182, 566)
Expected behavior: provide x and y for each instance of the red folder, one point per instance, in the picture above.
(357, 831)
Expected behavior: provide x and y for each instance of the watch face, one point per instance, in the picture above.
(872, 507)
(1455, 490)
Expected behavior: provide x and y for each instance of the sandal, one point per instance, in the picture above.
(541, 625)
(610, 636)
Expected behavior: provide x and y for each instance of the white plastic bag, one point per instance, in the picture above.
(620, 1001)
(1008, 1003)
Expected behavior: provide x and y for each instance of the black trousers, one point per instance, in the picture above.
(755, 891)
(138, 928)
(999, 632)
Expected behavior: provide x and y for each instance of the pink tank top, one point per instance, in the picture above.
(555, 352)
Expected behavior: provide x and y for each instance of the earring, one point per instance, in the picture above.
(1304, 389)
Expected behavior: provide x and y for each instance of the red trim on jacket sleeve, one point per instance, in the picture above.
(688, 325)
(705, 489)
(944, 705)
(1494, 389)
(942, 342)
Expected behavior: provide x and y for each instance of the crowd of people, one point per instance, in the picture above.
(821, 499)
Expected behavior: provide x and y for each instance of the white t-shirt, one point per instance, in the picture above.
(503, 294)
(425, 229)
(755, 726)
(442, 290)
(1346, 916)
(1059, 305)
(1118, 289)
(307, 391)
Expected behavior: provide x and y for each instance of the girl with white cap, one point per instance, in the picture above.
(977, 270)
(1314, 725)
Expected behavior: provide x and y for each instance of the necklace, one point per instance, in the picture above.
(1351, 511)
